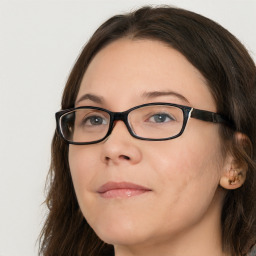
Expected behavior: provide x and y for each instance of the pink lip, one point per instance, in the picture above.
(121, 190)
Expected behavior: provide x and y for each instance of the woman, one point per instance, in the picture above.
(155, 148)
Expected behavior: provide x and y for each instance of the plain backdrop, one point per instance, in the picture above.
(39, 42)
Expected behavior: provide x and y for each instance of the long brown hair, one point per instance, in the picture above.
(231, 76)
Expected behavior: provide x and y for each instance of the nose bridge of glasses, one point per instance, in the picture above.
(120, 116)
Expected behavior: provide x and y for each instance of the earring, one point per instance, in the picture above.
(234, 177)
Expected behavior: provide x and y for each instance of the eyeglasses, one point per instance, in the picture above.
(152, 121)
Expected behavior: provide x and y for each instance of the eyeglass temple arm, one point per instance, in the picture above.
(211, 117)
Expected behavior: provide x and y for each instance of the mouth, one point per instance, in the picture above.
(121, 190)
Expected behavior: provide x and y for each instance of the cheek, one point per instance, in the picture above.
(187, 178)
(188, 168)
(192, 161)
(82, 167)
(193, 154)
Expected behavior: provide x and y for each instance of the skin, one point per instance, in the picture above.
(180, 215)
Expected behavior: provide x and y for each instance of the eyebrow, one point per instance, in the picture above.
(92, 97)
(155, 94)
(148, 95)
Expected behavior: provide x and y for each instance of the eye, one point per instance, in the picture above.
(94, 120)
(161, 118)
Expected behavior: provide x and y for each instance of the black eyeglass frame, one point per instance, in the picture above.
(188, 112)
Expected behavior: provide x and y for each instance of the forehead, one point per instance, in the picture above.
(126, 69)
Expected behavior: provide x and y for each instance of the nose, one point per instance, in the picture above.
(120, 147)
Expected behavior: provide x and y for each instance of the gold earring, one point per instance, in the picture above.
(234, 177)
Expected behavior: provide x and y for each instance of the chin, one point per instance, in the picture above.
(125, 233)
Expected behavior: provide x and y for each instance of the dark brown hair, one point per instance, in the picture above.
(231, 76)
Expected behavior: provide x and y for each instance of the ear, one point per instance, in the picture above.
(233, 178)
(234, 172)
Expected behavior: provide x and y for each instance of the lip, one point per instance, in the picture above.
(121, 190)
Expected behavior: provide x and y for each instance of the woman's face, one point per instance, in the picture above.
(179, 177)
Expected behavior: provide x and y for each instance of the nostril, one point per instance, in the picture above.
(124, 157)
